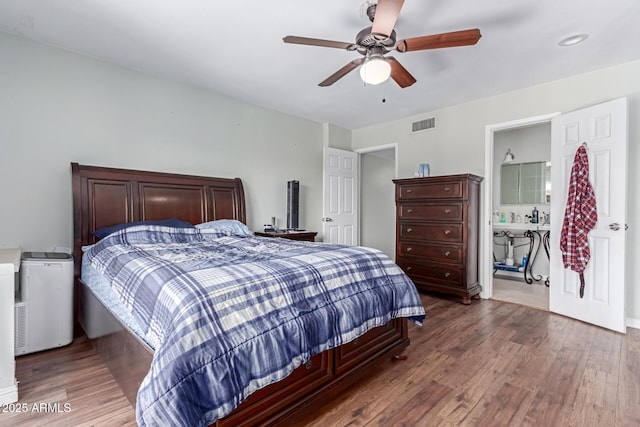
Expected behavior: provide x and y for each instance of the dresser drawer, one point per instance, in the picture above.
(431, 211)
(431, 190)
(449, 275)
(432, 252)
(450, 233)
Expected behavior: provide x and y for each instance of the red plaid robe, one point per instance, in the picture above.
(580, 217)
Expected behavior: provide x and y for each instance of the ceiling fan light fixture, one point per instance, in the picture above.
(375, 71)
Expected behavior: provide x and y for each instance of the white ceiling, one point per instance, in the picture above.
(236, 48)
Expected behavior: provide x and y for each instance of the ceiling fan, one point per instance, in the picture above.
(379, 39)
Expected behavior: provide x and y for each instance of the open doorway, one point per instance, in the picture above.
(378, 167)
(515, 260)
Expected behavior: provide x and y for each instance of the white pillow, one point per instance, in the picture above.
(231, 227)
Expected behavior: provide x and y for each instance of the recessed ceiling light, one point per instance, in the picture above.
(572, 40)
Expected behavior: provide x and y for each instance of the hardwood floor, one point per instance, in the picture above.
(487, 364)
(76, 385)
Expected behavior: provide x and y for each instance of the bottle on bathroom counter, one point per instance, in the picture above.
(534, 216)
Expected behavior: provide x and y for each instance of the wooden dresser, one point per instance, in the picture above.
(437, 233)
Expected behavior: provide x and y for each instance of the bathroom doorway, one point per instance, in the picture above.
(513, 242)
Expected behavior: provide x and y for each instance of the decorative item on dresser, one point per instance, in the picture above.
(437, 233)
(307, 236)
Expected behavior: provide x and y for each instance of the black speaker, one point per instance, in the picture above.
(293, 204)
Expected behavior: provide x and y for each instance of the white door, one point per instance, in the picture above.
(604, 129)
(340, 212)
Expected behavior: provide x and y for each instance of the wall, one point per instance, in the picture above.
(337, 137)
(457, 143)
(57, 107)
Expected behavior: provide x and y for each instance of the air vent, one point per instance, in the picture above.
(425, 124)
(20, 326)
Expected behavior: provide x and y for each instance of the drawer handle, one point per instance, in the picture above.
(447, 274)
(409, 268)
(447, 211)
(409, 190)
(447, 188)
(409, 230)
(409, 210)
(409, 249)
(447, 232)
(309, 364)
(447, 253)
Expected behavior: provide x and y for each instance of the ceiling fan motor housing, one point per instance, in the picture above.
(366, 39)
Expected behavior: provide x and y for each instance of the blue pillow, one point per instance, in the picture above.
(174, 222)
(231, 227)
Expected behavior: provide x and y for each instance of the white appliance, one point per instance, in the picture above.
(44, 302)
(9, 270)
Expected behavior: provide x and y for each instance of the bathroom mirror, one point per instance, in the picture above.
(525, 183)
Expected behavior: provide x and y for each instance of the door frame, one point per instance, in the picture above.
(359, 152)
(486, 248)
(368, 150)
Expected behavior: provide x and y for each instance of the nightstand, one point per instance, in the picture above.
(307, 236)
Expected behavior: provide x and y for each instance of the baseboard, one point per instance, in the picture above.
(9, 394)
(633, 322)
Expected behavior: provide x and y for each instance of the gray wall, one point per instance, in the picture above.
(57, 107)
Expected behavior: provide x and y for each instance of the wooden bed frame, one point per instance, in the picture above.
(106, 196)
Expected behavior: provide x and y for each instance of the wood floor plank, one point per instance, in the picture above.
(496, 409)
(420, 408)
(487, 364)
(595, 400)
(628, 396)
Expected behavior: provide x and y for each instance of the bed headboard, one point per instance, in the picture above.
(107, 196)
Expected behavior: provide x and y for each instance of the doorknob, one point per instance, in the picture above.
(615, 226)
(327, 219)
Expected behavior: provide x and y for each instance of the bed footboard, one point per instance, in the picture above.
(307, 388)
(322, 379)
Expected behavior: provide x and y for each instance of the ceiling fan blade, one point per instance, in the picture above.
(387, 12)
(318, 42)
(399, 74)
(341, 72)
(437, 41)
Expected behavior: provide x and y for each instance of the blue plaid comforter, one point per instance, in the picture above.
(228, 315)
